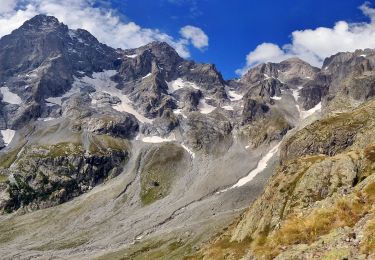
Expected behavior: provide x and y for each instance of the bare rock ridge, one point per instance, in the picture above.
(136, 153)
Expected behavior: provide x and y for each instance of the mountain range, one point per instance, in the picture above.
(140, 154)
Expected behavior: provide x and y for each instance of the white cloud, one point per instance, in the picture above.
(314, 45)
(196, 35)
(265, 52)
(102, 22)
(7, 5)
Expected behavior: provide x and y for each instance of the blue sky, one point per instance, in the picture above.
(234, 35)
(236, 27)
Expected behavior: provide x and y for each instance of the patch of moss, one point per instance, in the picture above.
(133, 252)
(55, 150)
(62, 244)
(337, 254)
(161, 249)
(104, 144)
(157, 176)
(8, 158)
(3, 178)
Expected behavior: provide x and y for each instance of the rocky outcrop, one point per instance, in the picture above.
(208, 133)
(47, 175)
(293, 72)
(352, 79)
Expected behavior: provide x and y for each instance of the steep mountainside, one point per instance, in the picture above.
(141, 154)
(319, 203)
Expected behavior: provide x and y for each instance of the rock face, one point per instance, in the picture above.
(62, 89)
(45, 176)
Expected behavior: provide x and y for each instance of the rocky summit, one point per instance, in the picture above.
(140, 154)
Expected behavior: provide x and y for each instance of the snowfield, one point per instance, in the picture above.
(228, 108)
(158, 139)
(192, 154)
(179, 84)
(148, 75)
(262, 165)
(10, 97)
(276, 98)
(233, 95)
(205, 108)
(133, 56)
(7, 136)
(317, 108)
(102, 82)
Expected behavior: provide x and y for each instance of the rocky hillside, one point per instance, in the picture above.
(141, 154)
(319, 203)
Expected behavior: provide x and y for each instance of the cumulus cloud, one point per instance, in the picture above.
(101, 21)
(196, 35)
(314, 45)
(7, 6)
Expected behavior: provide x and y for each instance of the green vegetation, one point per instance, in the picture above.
(55, 150)
(160, 249)
(337, 254)
(104, 144)
(7, 159)
(157, 176)
(3, 178)
(62, 244)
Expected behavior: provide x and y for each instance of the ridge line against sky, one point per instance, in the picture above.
(314, 45)
(101, 20)
(207, 31)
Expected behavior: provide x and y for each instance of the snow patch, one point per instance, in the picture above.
(45, 119)
(305, 114)
(205, 108)
(10, 97)
(276, 98)
(233, 96)
(192, 154)
(101, 81)
(148, 75)
(262, 164)
(7, 136)
(228, 108)
(132, 56)
(363, 55)
(158, 139)
(295, 93)
(179, 112)
(179, 84)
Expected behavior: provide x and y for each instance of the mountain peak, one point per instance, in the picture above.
(42, 22)
(158, 48)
